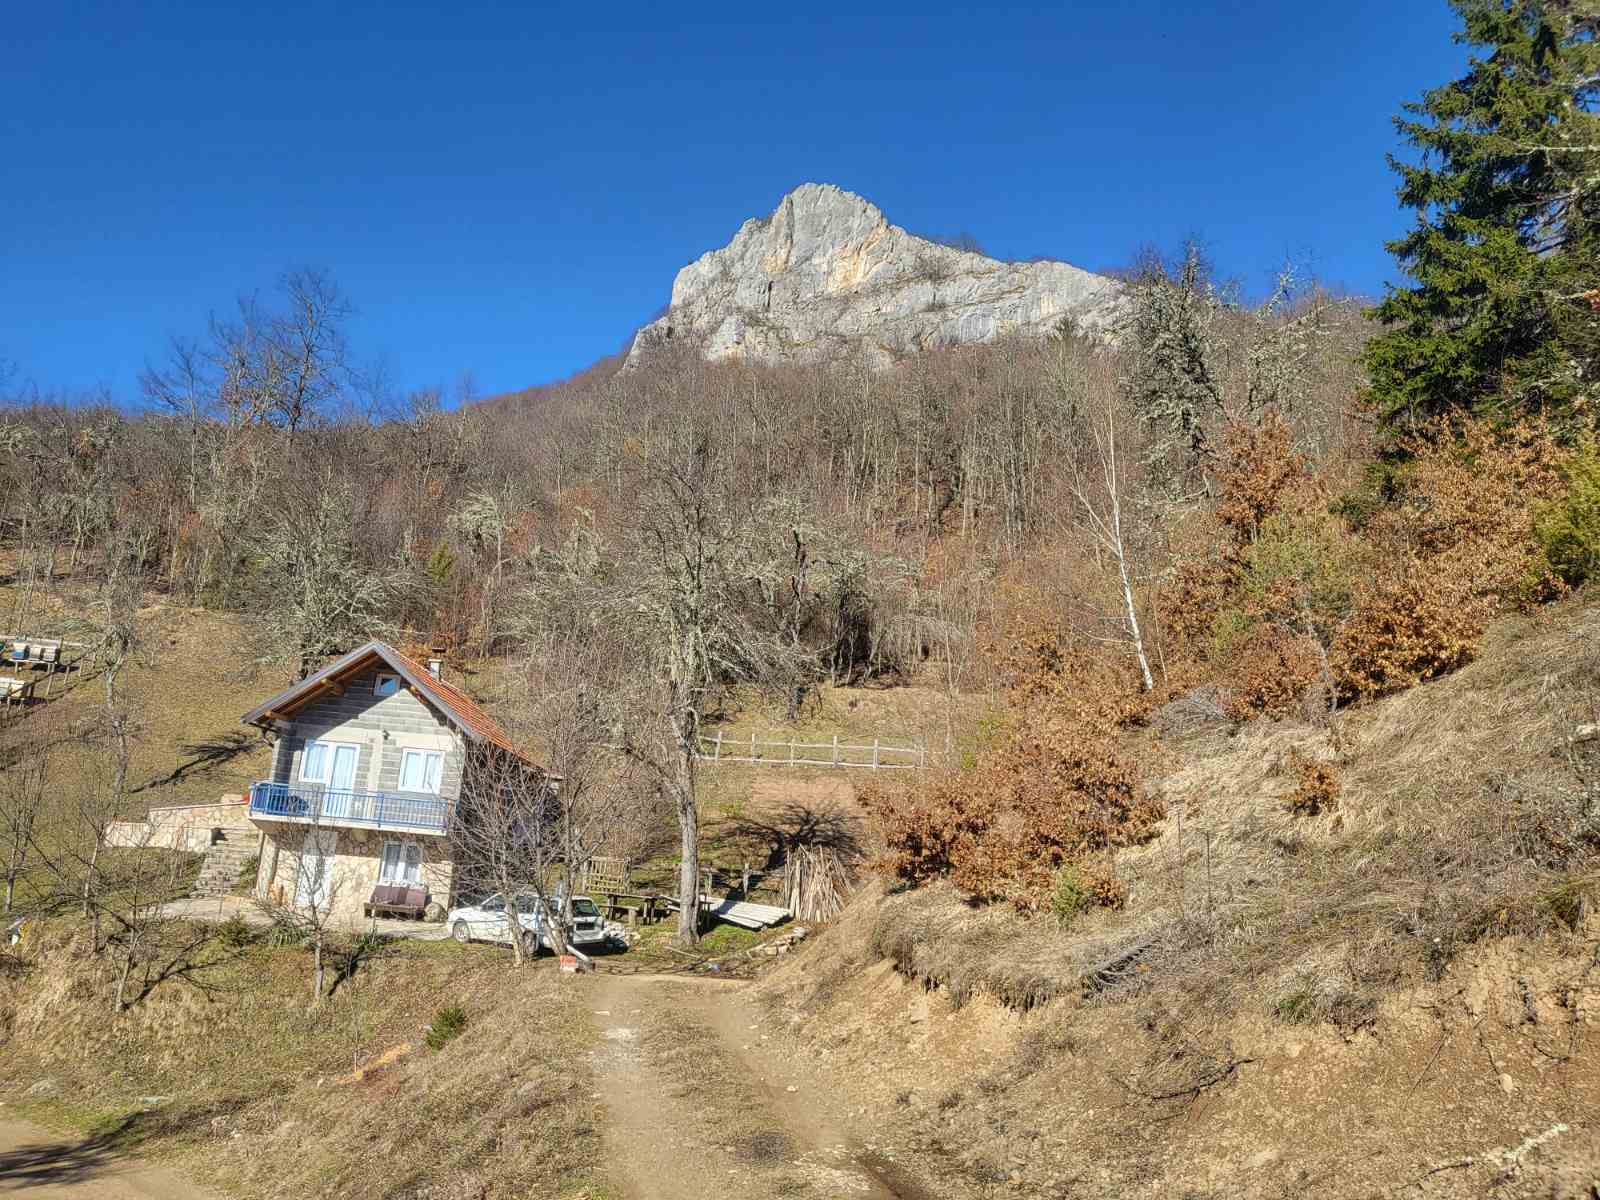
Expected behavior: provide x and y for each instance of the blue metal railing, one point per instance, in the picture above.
(312, 802)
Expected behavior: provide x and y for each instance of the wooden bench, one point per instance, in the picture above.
(616, 905)
(45, 652)
(397, 899)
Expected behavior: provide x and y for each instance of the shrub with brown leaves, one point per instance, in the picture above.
(1316, 788)
(1269, 671)
(1055, 790)
(1409, 626)
(1258, 475)
(1289, 594)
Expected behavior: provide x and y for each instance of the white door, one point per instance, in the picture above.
(340, 800)
(343, 776)
(312, 888)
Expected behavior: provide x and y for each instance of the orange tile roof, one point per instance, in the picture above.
(454, 701)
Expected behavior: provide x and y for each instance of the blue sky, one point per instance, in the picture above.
(508, 190)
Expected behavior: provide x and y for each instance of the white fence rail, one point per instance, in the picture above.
(876, 755)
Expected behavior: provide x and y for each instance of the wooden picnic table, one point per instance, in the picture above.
(646, 907)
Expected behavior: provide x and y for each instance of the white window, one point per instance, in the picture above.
(332, 763)
(386, 685)
(402, 863)
(420, 771)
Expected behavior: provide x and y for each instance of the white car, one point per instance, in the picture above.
(486, 921)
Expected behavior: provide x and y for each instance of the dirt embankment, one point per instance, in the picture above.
(1483, 1083)
(1395, 992)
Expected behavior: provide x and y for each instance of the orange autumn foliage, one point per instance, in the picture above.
(1053, 789)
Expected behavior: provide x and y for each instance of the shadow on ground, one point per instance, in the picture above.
(67, 1161)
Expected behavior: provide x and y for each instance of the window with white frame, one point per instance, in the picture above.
(421, 771)
(402, 863)
(385, 685)
(332, 763)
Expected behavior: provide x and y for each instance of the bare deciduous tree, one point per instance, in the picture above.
(507, 838)
(316, 597)
(700, 590)
(306, 914)
(1101, 488)
(24, 788)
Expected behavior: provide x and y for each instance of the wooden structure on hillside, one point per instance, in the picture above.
(873, 756)
(43, 658)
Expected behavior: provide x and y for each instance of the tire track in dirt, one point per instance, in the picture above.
(695, 1109)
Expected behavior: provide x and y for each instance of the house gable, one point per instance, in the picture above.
(454, 705)
(382, 726)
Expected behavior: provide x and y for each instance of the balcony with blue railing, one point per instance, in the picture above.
(315, 804)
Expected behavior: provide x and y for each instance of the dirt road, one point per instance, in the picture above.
(698, 1109)
(36, 1164)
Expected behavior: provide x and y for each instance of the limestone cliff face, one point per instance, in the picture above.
(827, 274)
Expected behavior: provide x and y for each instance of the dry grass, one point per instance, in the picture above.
(269, 1098)
(188, 690)
(1453, 822)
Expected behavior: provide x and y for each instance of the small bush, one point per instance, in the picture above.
(1316, 786)
(448, 1024)
(236, 933)
(1057, 789)
(1269, 672)
(1071, 896)
(1568, 530)
(1298, 1007)
(286, 932)
(1408, 627)
(247, 875)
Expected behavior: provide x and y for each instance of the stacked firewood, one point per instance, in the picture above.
(816, 881)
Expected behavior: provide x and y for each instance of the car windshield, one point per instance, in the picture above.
(582, 906)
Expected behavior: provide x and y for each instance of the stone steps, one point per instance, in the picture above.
(222, 866)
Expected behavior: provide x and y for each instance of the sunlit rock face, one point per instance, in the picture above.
(827, 275)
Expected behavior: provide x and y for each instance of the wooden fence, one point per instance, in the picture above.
(876, 755)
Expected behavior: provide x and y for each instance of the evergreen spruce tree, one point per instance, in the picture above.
(1503, 313)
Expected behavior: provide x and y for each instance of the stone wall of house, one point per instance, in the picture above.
(352, 870)
(383, 726)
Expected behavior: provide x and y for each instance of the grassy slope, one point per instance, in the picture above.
(1328, 1005)
(188, 689)
(240, 1081)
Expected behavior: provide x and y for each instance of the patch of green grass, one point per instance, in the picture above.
(1299, 1007)
(448, 1024)
(1071, 896)
(723, 939)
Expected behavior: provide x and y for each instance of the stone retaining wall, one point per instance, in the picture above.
(184, 826)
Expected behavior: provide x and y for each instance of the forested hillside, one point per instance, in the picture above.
(1261, 628)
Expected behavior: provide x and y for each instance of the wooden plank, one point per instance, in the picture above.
(747, 913)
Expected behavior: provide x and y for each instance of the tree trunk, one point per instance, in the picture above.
(122, 979)
(689, 847)
(689, 872)
(91, 910)
(1133, 621)
(513, 916)
(316, 970)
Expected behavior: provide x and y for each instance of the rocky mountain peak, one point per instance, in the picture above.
(827, 275)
